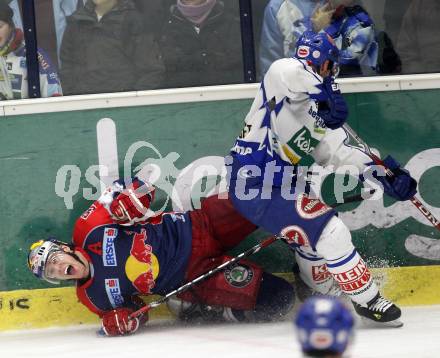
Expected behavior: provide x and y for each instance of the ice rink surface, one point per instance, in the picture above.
(419, 338)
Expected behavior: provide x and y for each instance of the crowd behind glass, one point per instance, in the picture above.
(98, 46)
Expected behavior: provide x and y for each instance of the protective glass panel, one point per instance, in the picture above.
(417, 41)
(101, 46)
(201, 45)
(375, 37)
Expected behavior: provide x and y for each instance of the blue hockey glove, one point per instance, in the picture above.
(332, 107)
(401, 186)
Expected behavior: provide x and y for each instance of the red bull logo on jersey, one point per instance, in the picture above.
(142, 266)
(114, 292)
(108, 249)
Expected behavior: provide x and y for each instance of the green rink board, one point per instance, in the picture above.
(34, 147)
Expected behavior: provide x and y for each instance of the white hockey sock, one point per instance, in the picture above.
(353, 276)
(344, 262)
(313, 271)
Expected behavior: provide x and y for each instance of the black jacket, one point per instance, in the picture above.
(209, 57)
(111, 55)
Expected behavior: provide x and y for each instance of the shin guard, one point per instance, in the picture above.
(344, 262)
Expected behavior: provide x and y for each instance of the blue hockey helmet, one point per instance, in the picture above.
(317, 48)
(324, 326)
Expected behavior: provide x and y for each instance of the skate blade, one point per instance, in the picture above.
(368, 323)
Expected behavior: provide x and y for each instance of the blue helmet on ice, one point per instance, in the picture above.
(324, 326)
(316, 48)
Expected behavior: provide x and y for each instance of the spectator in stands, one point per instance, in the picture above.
(45, 25)
(419, 43)
(346, 22)
(284, 21)
(353, 31)
(13, 69)
(15, 6)
(61, 10)
(200, 44)
(153, 13)
(105, 49)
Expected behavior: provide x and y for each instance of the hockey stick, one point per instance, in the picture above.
(353, 198)
(418, 204)
(206, 275)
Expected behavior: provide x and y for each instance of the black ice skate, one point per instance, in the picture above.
(381, 311)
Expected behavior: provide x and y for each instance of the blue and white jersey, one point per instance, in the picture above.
(355, 37)
(283, 125)
(14, 75)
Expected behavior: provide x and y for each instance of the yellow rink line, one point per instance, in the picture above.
(22, 309)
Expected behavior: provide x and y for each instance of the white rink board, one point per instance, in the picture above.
(419, 338)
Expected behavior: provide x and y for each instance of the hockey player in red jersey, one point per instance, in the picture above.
(119, 251)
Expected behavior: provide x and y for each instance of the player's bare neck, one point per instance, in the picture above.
(86, 264)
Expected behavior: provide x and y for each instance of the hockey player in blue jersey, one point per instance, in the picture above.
(295, 120)
(324, 327)
(119, 251)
